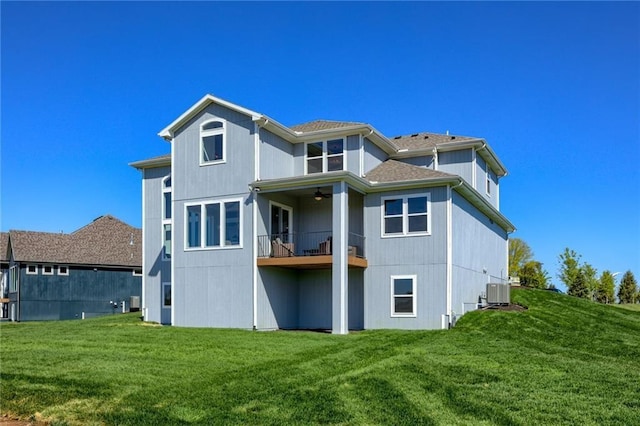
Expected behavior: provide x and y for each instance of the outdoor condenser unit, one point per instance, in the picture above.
(498, 294)
(134, 304)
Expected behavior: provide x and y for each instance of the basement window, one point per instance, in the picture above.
(403, 295)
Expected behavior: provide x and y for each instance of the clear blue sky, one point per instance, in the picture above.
(553, 87)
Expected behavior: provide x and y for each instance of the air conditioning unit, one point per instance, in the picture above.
(134, 304)
(498, 294)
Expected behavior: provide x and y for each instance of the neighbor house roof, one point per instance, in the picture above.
(4, 247)
(397, 171)
(107, 241)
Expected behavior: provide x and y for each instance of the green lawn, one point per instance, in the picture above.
(563, 361)
(631, 306)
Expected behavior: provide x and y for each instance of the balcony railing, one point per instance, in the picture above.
(306, 244)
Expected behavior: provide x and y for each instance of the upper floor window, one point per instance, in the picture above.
(213, 224)
(212, 142)
(325, 156)
(166, 218)
(408, 215)
(489, 181)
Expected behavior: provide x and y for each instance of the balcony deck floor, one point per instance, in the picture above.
(309, 262)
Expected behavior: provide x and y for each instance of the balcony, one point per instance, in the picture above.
(307, 250)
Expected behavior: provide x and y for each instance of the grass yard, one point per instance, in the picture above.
(563, 361)
(631, 306)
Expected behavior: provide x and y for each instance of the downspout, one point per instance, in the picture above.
(449, 297)
(435, 158)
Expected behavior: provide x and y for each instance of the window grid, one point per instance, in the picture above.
(213, 142)
(407, 215)
(403, 295)
(324, 156)
(213, 225)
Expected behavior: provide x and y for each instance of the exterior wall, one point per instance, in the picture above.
(156, 270)
(479, 254)
(423, 256)
(213, 287)
(276, 156)
(353, 154)
(481, 183)
(88, 290)
(425, 161)
(278, 299)
(373, 156)
(458, 163)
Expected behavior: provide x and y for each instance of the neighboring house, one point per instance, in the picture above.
(326, 225)
(4, 275)
(93, 271)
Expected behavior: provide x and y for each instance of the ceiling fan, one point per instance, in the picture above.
(318, 195)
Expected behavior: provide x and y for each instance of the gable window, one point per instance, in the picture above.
(32, 269)
(325, 156)
(47, 270)
(166, 295)
(213, 225)
(166, 218)
(489, 180)
(404, 216)
(63, 270)
(212, 142)
(403, 295)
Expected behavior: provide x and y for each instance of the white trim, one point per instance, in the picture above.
(60, 272)
(405, 215)
(488, 181)
(136, 274)
(221, 202)
(474, 167)
(173, 241)
(144, 263)
(44, 269)
(31, 273)
(449, 253)
(166, 221)
(207, 133)
(254, 242)
(414, 283)
(325, 155)
(361, 154)
(256, 153)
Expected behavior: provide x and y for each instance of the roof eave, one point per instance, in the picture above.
(480, 145)
(151, 163)
(484, 206)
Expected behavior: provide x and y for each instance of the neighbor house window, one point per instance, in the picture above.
(63, 270)
(32, 269)
(408, 215)
(403, 296)
(166, 218)
(136, 272)
(47, 270)
(166, 295)
(212, 142)
(213, 224)
(325, 156)
(14, 278)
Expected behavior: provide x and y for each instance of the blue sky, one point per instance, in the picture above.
(553, 87)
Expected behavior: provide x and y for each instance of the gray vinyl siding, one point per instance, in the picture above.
(373, 155)
(157, 271)
(481, 185)
(423, 256)
(352, 153)
(299, 159)
(479, 254)
(85, 289)
(458, 163)
(425, 161)
(276, 156)
(278, 295)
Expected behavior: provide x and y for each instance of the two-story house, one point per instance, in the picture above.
(325, 225)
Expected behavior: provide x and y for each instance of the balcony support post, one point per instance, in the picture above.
(340, 270)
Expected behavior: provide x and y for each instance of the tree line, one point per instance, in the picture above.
(581, 279)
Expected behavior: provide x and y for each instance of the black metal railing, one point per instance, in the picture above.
(305, 244)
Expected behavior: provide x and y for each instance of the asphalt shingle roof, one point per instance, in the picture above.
(426, 140)
(316, 125)
(4, 247)
(106, 241)
(396, 171)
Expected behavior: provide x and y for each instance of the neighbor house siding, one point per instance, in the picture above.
(458, 163)
(423, 256)
(157, 271)
(479, 256)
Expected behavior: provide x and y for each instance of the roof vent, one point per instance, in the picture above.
(453, 137)
(397, 137)
(414, 135)
(426, 136)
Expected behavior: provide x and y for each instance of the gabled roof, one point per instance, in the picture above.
(159, 161)
(313, 126)
(425, 140)
(4, 247)
(106, 241)
(397, 171)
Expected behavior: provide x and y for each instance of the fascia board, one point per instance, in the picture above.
(150, 164)
(484, 206)
(410, 153)
(273, 185)
(167, 132)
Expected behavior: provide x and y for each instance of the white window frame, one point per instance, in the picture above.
(488, 181)
(166, 221)
(59, 272)
(166, 285)
(283, 207)
(28, 272)
(213, 132)
(44, 270)
(405, 215)
(414, 280)
(203, 231)
(14, 279)
(136, 272)
(325, 155)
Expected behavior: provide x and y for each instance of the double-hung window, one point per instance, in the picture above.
(325, 156)
(166, 218)
(403, 296)
(406, 215)
(214, 224)
(166, 295)
(212, 142)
